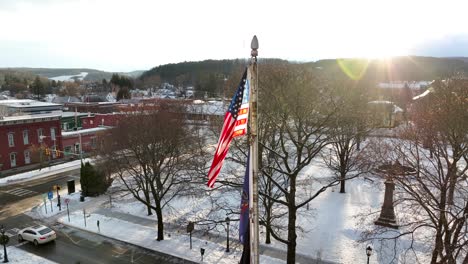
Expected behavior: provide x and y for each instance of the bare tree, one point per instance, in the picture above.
(298, 107)
(151, 152)
(347, 129)
(435, 200)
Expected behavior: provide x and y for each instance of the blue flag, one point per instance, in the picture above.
(244, 214)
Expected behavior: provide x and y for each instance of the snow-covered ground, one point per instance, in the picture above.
(45, 210)
(175, 244)
(331, 228)
(16, 255)
(44, 172)
(70, 78)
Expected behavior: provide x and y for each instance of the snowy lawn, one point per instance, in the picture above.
(16, 255)
(330, 229)
(175, 244)
(44, 172)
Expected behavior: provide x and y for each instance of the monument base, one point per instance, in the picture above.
(387, 222)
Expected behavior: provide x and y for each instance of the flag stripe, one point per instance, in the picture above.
(234, 125)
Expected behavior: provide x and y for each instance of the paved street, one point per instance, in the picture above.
(72, 245)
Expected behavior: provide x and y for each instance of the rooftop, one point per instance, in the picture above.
(29, 117)
(72, 114)
(25, 103)
(84, 131)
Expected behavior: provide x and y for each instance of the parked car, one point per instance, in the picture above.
(37, 234)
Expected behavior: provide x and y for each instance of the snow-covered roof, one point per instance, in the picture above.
(41, 117)
(25, 103)
(84, 131)
(72, 114)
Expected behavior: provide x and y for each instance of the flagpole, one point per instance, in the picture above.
(254, 238)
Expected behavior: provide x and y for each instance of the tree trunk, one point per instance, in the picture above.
(291, 254)
(342, 187)
(268, 226)
(159, 216)
(148, 202)
(452, 174)
(268, 236)
(147, 197)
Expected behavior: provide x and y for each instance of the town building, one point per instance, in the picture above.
(27, 106)
(71, 120)
(26, 140)
(86, 139)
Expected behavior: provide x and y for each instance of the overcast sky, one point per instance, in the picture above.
(131, 35)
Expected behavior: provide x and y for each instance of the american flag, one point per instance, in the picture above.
(235, 124)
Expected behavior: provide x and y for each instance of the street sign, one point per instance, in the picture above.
(67, 200)
(50, 195)
(190, 227)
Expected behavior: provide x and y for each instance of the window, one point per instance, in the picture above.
(93, 142)
(11, 140)
(25, 137)
(13, 159)
(39, 135)
(67, 150)
(52, 133)
(65, 126)
(27, 157)
(45, 231)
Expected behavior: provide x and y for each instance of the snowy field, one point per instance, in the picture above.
(70, 78)
(331, 229)
(16, 255)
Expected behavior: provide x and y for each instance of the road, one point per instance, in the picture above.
(72, 245)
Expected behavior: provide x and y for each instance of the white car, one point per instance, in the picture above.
(37, 234)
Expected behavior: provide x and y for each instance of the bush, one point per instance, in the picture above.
(93, 181)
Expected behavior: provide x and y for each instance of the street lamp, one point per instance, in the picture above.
(4, 241)
(368, 252)
(59, 204)
(227, 243)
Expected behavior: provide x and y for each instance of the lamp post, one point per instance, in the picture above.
(368, 252)
(4, 241)
(59, 204)
(227, 236)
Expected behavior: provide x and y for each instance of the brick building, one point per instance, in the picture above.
(21, 137)
(98, 120)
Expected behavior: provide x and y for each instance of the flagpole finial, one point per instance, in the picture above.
(254, 46)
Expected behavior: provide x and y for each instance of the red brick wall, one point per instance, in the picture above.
(19, 147)
(100, 120)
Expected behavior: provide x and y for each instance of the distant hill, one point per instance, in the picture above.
(93, 75)
(407, 68)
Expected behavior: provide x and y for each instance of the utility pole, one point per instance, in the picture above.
(81, 148)
(252, 76)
